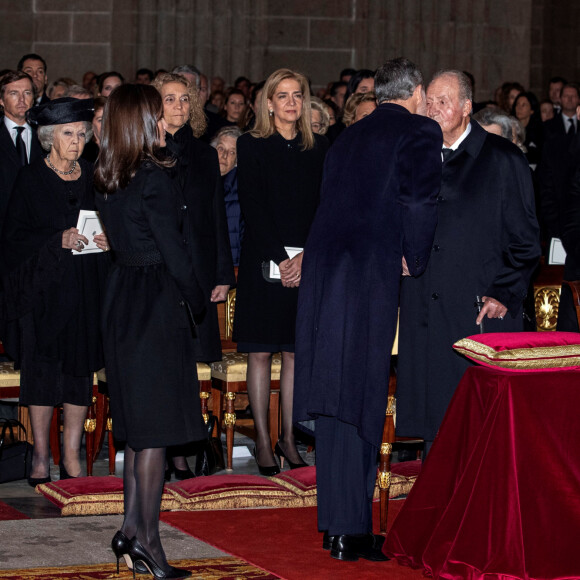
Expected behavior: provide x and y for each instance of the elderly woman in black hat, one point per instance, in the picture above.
(51, 290)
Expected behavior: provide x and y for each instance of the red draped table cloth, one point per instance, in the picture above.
(499, 494)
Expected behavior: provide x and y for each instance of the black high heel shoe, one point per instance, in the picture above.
(34, 481)
(268, 470)
(139, 555)
(182, 474)
(281, 456)
(120, 546)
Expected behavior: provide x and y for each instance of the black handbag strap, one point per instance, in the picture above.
(10, 424)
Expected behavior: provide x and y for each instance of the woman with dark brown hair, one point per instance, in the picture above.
(152, 296)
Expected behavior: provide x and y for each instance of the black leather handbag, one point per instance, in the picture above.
(210, 457)
(15, 455)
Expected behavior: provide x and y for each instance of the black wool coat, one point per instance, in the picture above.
(10, 164)
(381, 179)
(64, 292)
(486, 244)
(202, 217)
(279, 191)
(148, 341)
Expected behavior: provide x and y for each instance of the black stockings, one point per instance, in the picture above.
(143, 486)
(258, 381)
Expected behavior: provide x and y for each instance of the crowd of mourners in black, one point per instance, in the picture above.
(60, 142)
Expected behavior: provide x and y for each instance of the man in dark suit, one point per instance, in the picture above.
(566, 121)
(485, 249)
(18, 142)
(35, 67)
(560, 155)
(377, 209)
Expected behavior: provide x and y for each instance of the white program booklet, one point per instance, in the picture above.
(89, 225)
(274, 270)
(557, 252)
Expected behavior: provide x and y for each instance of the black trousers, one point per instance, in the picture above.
(346, 471)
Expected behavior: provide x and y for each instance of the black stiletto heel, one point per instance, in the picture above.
(281, 456)
(139, 555)
(120, 546)
(268, 470)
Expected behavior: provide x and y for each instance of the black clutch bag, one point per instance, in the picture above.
(266, 274)
(210, 457)
(15, 456)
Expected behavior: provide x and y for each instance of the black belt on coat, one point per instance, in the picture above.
(137, 259)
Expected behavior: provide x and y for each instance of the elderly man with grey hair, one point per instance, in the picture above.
(485, 249)
(377, 212)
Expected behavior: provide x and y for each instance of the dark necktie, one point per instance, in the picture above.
(572, 128)
(21, 147)
(446, 153)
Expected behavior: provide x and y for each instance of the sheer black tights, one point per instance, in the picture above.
(143, 486)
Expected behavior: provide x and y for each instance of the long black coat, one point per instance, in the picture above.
(64, 292)
(204, 227)
(148, 341)
(279, 191)
(486, 244)
(10, 164)
(381, 178)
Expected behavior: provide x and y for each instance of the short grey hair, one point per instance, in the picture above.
(230, 131)
(78, 92)
(465, 90)
(487, 117)
(319, 105)
(396, 80)
(45, 134)
(191, 69)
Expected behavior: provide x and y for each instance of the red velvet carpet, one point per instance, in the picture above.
(9, 513)
(284, 542)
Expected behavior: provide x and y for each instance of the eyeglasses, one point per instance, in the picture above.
(316, 126)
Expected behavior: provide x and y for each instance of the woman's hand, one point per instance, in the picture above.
(291, 271)
(72, 240)
(102, 242)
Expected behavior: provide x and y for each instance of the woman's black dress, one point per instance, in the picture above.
(148, 340)
(51, 298)
(279, 191)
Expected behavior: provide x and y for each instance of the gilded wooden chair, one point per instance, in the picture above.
(229, 379)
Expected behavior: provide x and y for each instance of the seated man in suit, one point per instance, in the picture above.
(18, 142)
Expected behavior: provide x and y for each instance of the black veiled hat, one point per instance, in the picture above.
(61, 111)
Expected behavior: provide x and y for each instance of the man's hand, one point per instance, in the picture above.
(492, 308)
(219, 293)
(405, 271)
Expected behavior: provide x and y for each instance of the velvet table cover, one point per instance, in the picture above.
(499, 494)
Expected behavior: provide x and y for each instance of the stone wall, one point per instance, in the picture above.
(497, 40)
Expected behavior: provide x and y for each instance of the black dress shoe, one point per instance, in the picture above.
(327, 541)
(352, 547)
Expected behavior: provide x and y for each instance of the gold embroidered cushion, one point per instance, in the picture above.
(232, 492)
(81, 496)
(523, 351)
